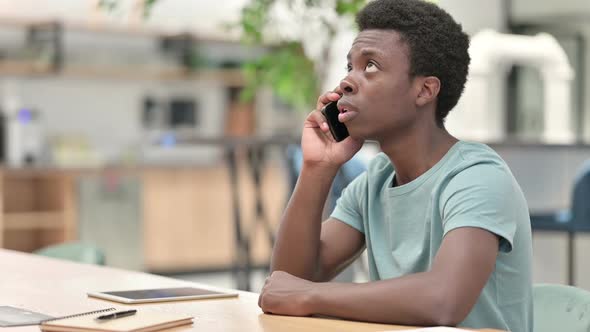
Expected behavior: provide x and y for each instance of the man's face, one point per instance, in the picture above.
(378, 98)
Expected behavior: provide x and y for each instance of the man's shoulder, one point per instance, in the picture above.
(378, 169)
(379, 159)
(474, 158)
(479, 166)
(478, 152)
(379, 164)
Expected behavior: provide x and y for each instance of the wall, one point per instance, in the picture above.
(532, 10)
(466, 13)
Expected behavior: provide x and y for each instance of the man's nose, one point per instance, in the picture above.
(348, 86)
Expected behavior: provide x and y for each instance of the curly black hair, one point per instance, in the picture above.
(437, 44)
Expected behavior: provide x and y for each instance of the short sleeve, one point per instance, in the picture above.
(484, 196)
(349, 206)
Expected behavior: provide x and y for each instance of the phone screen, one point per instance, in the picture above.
(337, 128)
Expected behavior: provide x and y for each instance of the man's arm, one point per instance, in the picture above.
(443, 295)
(306, 247)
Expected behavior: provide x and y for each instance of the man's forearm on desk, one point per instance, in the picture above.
(444, 295)
(417, 299)
(300, 227)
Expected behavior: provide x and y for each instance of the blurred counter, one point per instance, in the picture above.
(172, 218)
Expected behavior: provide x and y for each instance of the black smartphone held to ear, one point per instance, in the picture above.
(337, 128)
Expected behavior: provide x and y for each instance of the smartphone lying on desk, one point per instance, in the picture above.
(160, 295)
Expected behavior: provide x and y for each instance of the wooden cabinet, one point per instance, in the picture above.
(37, 209)
(187, 219)
(189, 222)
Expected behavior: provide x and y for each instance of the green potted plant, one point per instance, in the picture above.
(287, 68)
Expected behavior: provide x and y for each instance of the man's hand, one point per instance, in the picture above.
(285, 294)
(319, 147)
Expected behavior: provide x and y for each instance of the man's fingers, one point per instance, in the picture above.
(318, 122)
(326, 98)
(315, 119)
(262, 293)
(265, 304)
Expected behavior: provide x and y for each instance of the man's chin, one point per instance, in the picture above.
(358, 136)
(357, 133)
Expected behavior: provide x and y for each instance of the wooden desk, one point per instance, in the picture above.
(59, 288)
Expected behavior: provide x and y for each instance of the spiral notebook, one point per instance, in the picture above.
(142, 321)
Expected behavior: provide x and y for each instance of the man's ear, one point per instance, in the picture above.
(427, 90)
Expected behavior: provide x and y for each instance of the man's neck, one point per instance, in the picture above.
(412, 155)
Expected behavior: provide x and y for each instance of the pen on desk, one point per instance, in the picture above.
(118, 314)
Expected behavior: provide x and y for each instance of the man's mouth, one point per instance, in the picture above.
(347, 112)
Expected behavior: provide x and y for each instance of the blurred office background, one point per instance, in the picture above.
(126, 127)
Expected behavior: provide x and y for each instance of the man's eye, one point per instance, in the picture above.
(348, 68)
(371, 67)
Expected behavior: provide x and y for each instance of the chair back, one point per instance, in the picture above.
(74, 251)
(561, 308)
(581, 198)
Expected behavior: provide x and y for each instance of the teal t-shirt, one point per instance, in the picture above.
(471, 186)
